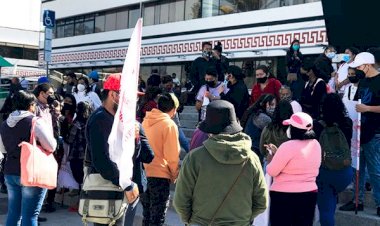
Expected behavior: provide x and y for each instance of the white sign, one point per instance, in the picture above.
(48, 33)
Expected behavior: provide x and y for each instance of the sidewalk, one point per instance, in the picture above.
(62, 217)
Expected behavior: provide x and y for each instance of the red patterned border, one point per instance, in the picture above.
(311, 37)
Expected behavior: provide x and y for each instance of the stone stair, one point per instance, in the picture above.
(189, 120)
(367, 217)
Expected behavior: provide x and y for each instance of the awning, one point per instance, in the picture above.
(4, 62)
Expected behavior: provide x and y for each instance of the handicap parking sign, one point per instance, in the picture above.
(49, 18)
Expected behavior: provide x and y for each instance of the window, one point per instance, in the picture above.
(267, 4)
(30, 54)
(122, 20)
(60, 29)
(134, 15)
(164, 13)
(79, 25)
(149, 15)
(210, 8)
(192, 9)
(69, 28)
(100, 23)
(157, 10)
(89, 23)
(180, 10)
(110, 21)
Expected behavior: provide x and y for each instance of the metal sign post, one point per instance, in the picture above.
(49, 23)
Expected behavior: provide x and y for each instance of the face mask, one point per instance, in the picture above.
(210, 83)
(270, 111)
(50, 100)
(81, 87)
(288, 133)
(206, 54)
(262, 80)
(360, 74)
(287, 98)
(353, 79)
(296, 47)
(330, 55)
(346, 58)
(305, 77)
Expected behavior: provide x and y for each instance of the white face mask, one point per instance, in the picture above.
(81, 87)
(288, 133)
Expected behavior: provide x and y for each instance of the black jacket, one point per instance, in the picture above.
(198, 71)
(323, 64)
(143, 154)
(238, 96)
(292, 62)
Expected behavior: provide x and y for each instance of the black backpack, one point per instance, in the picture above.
(336, 153)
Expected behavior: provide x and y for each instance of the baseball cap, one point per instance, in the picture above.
(93, 75)
(112, 82)
(362, 58)
(299, 120)
(43, 80)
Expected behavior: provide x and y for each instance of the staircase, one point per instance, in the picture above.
(189, 120)
(367, 217)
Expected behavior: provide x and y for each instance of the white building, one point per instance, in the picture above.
(94, 34)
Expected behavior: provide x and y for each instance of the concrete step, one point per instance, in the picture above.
(367, 217)
(347, 196)
(189, 116)
(190, 124)
(188, 132)
(190, 109)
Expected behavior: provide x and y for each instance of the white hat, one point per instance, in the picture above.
(362, 58)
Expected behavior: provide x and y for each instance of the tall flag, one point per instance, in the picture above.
(122, 138)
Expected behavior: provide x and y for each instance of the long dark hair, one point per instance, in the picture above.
(83, 111)
(86, 82)
(301, 134)
(333, 109)
(291, 50)
(258, 107)
(282, 112)
(22, 100)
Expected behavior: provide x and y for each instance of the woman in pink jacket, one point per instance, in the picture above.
(294, 167)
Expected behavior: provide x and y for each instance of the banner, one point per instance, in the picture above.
(122, 138)
(350, 106)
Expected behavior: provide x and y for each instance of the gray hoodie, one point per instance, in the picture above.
(43, 133)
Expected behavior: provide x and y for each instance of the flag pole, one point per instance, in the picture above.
(358, 160)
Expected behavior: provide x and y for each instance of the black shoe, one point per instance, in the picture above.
(3, 189)
(49, 208)
(42, 219)
(350, 206)
(378, 211)
(368, 186)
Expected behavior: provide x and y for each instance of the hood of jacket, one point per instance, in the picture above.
(17, 116)
(229, 149)
(155, 116)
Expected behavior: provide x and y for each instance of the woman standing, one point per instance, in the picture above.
(332, 181)
(83, 93)
(259, 116)
(24, 203)
(294, 59)
(294, 167)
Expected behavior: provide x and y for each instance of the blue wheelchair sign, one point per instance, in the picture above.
(49, 18)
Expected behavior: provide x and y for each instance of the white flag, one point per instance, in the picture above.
(122, 138)
(350, 106)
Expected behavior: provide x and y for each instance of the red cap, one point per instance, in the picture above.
(112, 82)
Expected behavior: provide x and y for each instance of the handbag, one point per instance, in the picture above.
(100, 200)
(38, 166)
(228, 193)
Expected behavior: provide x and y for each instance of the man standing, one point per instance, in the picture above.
(369, 91)
(162, 134)
(221, 182)
(71, 83)
(98, 129)
(93, 78)
(221, 62)
(200, 65)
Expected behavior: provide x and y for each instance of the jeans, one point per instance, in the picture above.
(23, 202)
(371, 151)
(330, 183)
(183, 140)
(130, 215)
(155, 201)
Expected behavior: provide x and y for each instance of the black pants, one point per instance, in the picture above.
(2, 162)
(292, 209)
(155, 201)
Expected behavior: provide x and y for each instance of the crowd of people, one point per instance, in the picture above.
(277, 153)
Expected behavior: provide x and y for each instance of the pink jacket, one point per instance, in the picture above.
(295, 166)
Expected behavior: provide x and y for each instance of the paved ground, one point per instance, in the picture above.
(62, 217)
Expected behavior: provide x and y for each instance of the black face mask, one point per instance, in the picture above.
(305, 77)
(360, 74)
(210, 83)
(50, 100)
(353, 79)
(262, 80)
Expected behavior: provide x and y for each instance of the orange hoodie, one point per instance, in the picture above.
(162, 134)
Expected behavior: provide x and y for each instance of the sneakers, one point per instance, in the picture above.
(49, 208)
(350, 206)
(378, 211)
(3, 189)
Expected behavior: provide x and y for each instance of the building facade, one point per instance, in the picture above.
(94, 34)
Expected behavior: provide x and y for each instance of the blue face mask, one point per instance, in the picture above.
(296, 47)
(346, 57)
(331, 55)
